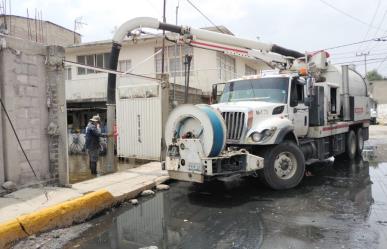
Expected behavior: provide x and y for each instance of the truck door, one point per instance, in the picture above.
(298, 111)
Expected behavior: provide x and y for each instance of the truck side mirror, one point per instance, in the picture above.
(214, 94)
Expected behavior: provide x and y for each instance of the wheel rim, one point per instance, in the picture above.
(285, 165)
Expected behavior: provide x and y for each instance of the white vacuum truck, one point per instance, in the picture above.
(270, 124)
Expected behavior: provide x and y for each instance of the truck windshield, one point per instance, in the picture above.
(265, 89)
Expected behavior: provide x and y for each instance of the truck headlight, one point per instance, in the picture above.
(256, 136)
(265, 134)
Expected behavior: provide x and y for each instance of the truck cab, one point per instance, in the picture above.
(264, 109)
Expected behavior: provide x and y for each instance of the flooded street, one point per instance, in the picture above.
(342, 205)
(80, 171)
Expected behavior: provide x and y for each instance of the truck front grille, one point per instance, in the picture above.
(234, 123)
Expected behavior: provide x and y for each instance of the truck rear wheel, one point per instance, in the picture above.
(284, 166)
(350, 146)
(360, 142)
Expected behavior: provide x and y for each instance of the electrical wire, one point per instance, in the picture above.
(206, 17)
(381, 63)
(349, 15)
(106, 70)
(349, 62)
(372, 22)
(352, 52)
(382, 38)
(21, 147)
(376, 32)
(354, 56)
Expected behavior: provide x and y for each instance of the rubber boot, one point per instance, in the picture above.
(93, 168)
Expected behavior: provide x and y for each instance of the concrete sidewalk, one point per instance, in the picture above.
(27, 211)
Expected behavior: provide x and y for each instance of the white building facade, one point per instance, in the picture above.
(86, 89)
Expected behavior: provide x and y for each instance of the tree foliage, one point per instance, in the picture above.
(374, 75)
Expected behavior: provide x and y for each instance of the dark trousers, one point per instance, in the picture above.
(93, 159)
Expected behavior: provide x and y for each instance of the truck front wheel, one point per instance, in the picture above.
(284, 166)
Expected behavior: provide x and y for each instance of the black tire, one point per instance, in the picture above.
(359, 142)
(275, 175)
(350, 147)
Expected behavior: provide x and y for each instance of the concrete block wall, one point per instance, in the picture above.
(195, 96)
(46, 33)
(32, 90)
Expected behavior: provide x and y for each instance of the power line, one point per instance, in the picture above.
(372, 22)
(353, 52)
(353, 56)
(360, 61)
(381, 63)
(208, 19)
(349, 15)
(382, 38)
(376, 31)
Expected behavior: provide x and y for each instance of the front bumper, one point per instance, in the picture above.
(229, 163)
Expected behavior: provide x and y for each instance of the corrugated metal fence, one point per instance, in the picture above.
(139, 121)
(139, 116)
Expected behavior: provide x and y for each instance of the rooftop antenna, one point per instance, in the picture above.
(3, 12)
(10, 17)
(29, 26)
(41, 26)
(36, 28)
(78, 23)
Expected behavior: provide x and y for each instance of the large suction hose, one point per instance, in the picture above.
(197, 122)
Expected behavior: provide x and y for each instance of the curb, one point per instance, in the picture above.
(65, 213)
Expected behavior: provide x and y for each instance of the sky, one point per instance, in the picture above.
(303, 25)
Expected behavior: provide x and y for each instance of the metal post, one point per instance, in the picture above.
(345, 86)
(365, 61)
(163, 52)
(110, 166)
(164, 112)
(174, 76)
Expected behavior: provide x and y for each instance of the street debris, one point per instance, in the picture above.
(147, 192)
(162, 187)
(9, 185)
(134, 201)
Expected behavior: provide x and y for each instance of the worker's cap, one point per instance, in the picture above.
(95, 118)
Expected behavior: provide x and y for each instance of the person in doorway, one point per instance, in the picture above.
(93, 146)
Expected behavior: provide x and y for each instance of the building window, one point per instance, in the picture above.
(68, 73)
(250, 70)
(94, 60)
(174, 60)
(124, 65)
(225, 66)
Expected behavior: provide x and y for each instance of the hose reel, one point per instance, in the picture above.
(197, 122)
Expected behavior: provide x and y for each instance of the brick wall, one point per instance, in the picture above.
(32, 90)
(195, 96)
(45, 32)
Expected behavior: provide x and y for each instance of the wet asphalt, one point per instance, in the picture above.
(341, 205)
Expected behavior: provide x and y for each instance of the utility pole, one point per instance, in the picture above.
(176, 55)
(365, 61)
(163, 52)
